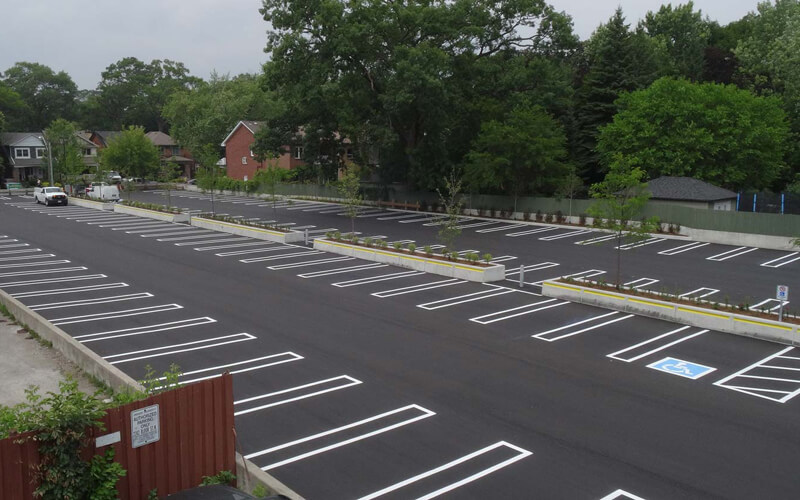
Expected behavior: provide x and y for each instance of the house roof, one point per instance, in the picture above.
(252, 126)
(106, 135)
(686, 189)
(11, 138)
(161, 139)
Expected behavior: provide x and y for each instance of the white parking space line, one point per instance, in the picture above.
(478, 224)
(520, 453)
(622, 495)
(16, 245)
(418, 288)
(462, 299)
(683, 248)
(570, 234)
(234, 245)
(529, 268)
(531, 231)
(88, 302)
(26, 250)
(61, 291)
(782, 261)
(52, 280)
(442, 221)
(589, 273)
(291, 255)
(546, 335)
(340, 270)
(638, 244)
(34, 264)
(502, 258)
(775, 304)
(43, 271)
(307, 263)
(320, 231)
(200, 233)
(196, 345)
(382, 213)
(177, 233)
(115, 314)
(422, 219)
(262, 249)
(731, 254)
(176, 229)
(247, 365)
(27, 257)
(517, 311)
(501, 228)
(597, 239)
(220, 239)
(750, 387)
(341, 382)
(641, 282)
(652, 343)
(422, 414)
(375, 279)
(142, 330)
(138, 225)
(699, 293)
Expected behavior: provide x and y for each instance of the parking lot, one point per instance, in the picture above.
(362, 380)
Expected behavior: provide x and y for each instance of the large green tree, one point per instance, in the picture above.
(206, 113)
(66, 151)
(132, 154)
(395, 78)
(717, 133)
(525, 152)
(45, 95)
(684, 34)
(132, 92)
(616, 60)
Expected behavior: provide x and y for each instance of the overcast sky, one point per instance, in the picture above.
(83, 38)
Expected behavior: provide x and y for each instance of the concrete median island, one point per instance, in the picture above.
(419, 262)
(704, 317)
(249, 231)
(152, 214)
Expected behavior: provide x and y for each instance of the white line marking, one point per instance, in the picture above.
(501, 228)
(52, 280)
(417, 288)
(239, 337)
(696, 293)
(565, 235)
(772, 263)
(141, 330)
(27, 257)
(502, 258)
(340, 270)
(482, 321)
(43, 271)
(27, 250)
(644, 282)
(478, 224)
(310, 263)
(251, 250)
(453, 301)
(293, 357)
(522, 453)
(35, 264)
(425, 414)
(404, 216)
(350, 382)
(196, 236)
(77, 289)
(176, 233)
(375, 279)
(621, 494)
(596, 239)
(531, 231)
(637, 244)
(115, 314)
(590, 273)
(767, 301)
(683, 248)
(531, 267)
(565, 327)
(211, 242)
(733, 253)
(748, 390)
(281, 256)
(615, 355)
(87, 302)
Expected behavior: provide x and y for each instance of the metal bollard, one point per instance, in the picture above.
(306, 236)
(521, 276)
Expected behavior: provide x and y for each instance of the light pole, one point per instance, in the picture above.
(49, 158)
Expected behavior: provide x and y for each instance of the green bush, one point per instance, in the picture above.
(412, 248)
(221, 477)
(428, 249)
(487, 257)
(397, 245)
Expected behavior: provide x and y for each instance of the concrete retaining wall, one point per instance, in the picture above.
(151, 214)
(494, 272)
(251, 232)
(723, 321)
(80, 202)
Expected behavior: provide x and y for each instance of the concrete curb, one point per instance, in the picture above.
(152, 214)
(250, 232)
(73, 350)
(713, 319)
(255, 476)
(460, 270)
(97, 205)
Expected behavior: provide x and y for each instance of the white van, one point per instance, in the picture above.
(103, 191)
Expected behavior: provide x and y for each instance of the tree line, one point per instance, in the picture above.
(501, 92)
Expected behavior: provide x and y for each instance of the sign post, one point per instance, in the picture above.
(782, 294)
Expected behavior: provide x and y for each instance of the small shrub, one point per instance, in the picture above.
(526, 215)
(397, 245)
(428, 249)
(260, 491)
(384, 243)
(412, 248)
(560, 217)
(487, 257)
(368, 241)
(539, 216)
(454, 255)
(221, 477)
(677, 228)
(337, 235)
(548, 218)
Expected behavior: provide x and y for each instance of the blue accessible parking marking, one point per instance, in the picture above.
(681, 368)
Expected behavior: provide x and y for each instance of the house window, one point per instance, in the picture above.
(176, 150)
(251, 154)
(244, 160)
(298, 153)
(39, 152)
(22, 153)
(88, 152)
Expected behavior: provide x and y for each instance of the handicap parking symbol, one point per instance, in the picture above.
(681, 368)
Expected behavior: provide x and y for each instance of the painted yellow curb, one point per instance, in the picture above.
(239, 226)
(721, 316)
(565, 287)
(759, 323)
(603, 294)
(405, 257)
(648, 303)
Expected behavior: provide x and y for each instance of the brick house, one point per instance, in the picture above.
(172, 152)
(239, 157)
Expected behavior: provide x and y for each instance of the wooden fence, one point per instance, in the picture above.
(196, 439)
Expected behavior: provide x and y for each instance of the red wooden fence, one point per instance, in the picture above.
(196, 440)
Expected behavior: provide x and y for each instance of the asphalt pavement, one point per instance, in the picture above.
(360, 381)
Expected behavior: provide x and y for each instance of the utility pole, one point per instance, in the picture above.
(49, 158)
